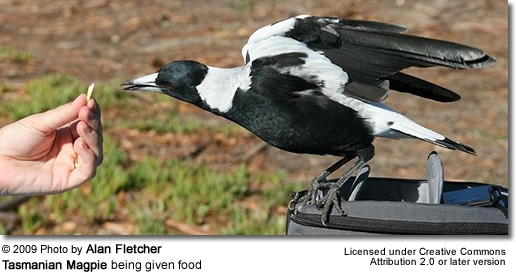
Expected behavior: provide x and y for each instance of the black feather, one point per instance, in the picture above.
(373, 52)
(409, 84)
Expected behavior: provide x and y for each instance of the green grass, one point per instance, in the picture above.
(146, 192)
(242, 5)
(198, 194)
(14, 55)
(53, 90)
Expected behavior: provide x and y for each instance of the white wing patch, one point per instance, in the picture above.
(276, 29)
(270, 41)
(316, 67)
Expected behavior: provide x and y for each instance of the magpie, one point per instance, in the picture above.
(316, 85)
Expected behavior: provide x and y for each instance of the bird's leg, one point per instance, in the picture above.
(318, 183)
(332, 196)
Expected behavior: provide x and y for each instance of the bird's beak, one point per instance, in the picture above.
(144, 83)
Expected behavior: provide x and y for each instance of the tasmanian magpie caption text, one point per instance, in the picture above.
(426, 256)
(93, 257)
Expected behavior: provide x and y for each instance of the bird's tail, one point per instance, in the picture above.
(414, 130)
(451, 144)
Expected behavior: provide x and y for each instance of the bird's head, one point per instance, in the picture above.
(177, 79)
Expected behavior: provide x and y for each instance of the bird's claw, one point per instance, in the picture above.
(310, 197)
(327, 202)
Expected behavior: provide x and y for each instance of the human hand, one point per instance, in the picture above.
(53, 151)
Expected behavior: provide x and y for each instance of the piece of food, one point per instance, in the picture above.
(90, 91)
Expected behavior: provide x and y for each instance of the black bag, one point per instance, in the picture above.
(406, 206)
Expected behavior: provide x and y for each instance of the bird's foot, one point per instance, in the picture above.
(319, 183)
(328, 201)
(324, 195)
(314, 190)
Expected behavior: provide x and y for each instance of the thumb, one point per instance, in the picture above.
(55, 118)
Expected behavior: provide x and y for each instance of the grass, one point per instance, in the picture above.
(50, 91)
(15, 55)
(242, 5)
(144, 192)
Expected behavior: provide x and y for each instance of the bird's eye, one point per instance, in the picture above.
(169, 86)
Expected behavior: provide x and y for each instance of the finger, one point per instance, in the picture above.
(86, 164)
(92, 104)
(92, 138)
(92, 116)
(55, 118)
(90, 127)
(73, 129)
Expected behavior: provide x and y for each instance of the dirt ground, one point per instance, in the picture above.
(101, 40)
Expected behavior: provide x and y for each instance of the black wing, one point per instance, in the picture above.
(374, 53)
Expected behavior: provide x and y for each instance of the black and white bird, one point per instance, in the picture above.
(316, 84)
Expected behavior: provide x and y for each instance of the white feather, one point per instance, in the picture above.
(384, 121)
(220, 85)
(276, 29)
(316, 67)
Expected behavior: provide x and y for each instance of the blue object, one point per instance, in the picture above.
(484, 195)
